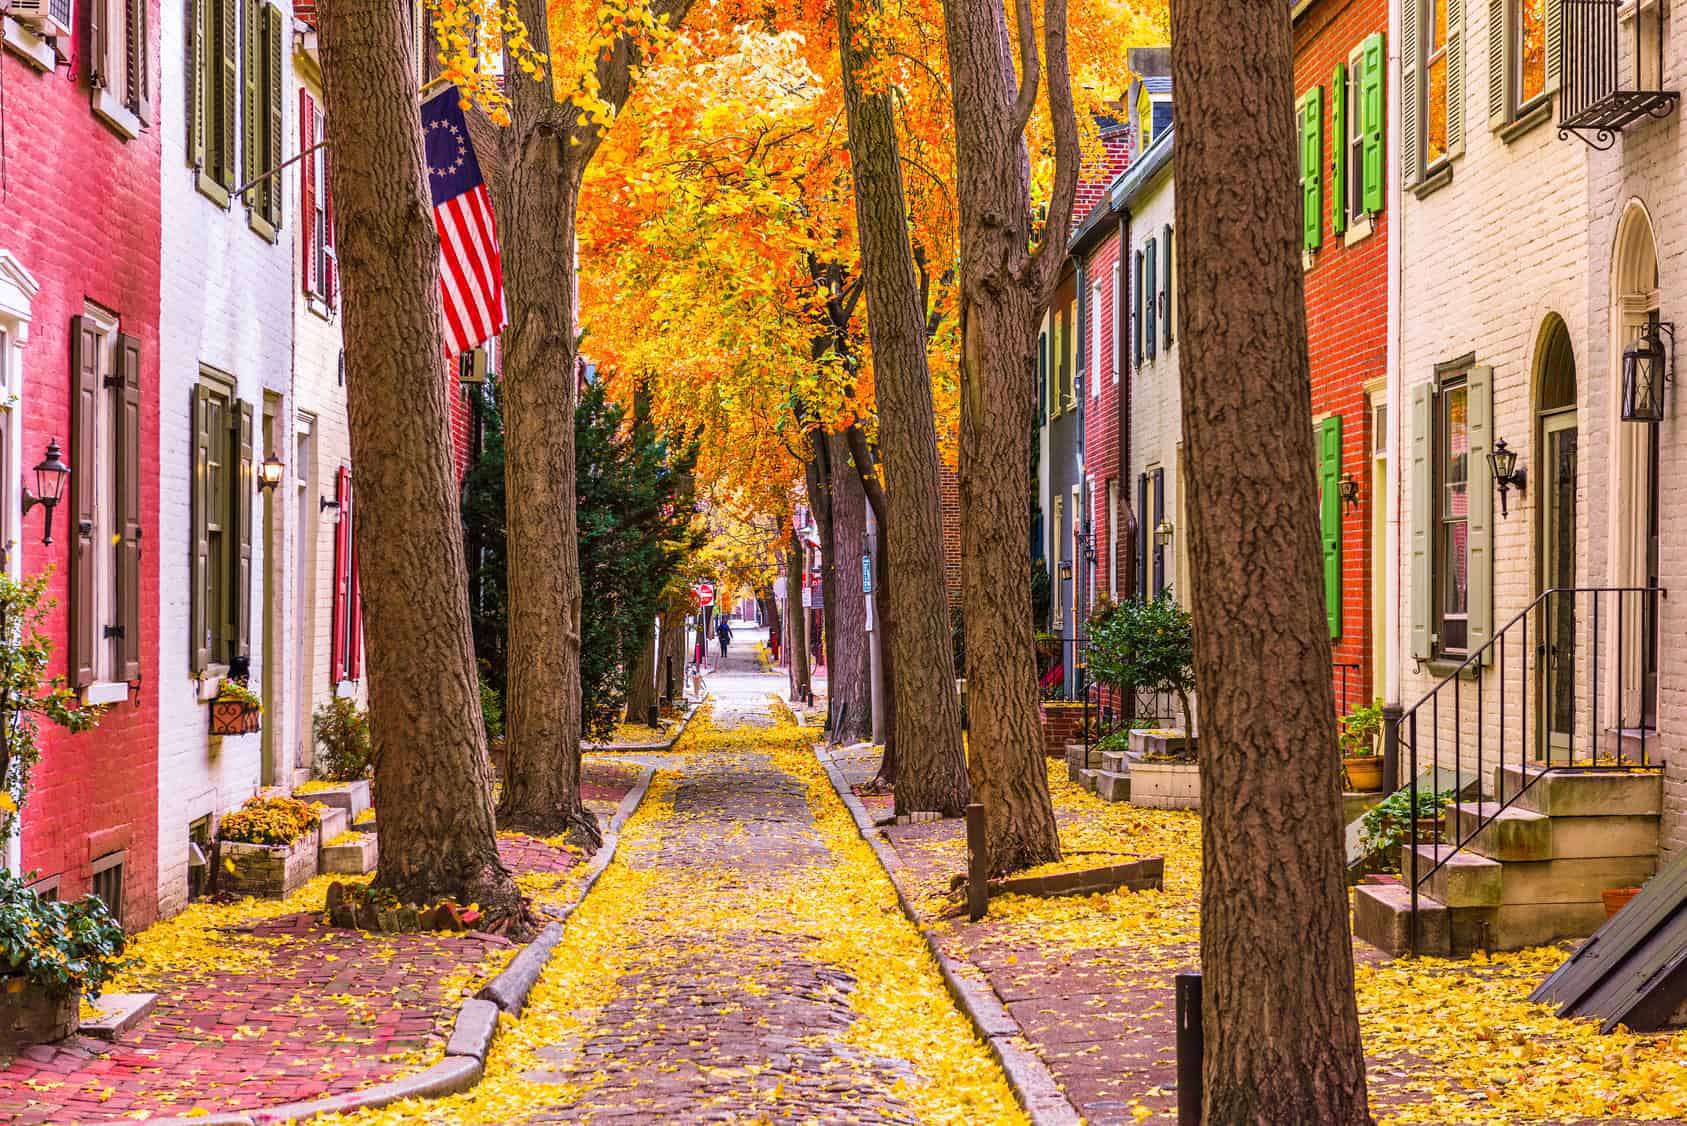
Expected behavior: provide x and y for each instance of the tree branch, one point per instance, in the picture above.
(1025, 102)
(1051, 250)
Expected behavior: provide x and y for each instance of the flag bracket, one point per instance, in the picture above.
(279, 168)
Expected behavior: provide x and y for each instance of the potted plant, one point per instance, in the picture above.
(1358, 738)
(52, 955)
(268, 847)
(236, 710)
(1387, 826)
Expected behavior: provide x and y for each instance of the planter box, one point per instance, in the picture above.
(232, 717)
(334, 821)
(31, 1014)
(352, 857)
(266, 871)
(1161, 741)
(1062, 720)
(1166, 785)
(353, 797)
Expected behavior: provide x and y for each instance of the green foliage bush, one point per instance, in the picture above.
(1359, 730)
(1147, 645)
(59, 946)
(491, 709)
(1388, 824)
(344, 752)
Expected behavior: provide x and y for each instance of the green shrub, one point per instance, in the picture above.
(1359, 730)
(491, 710)
(1148, 645)
(342, 738)
(1388, 824)
(58, 946)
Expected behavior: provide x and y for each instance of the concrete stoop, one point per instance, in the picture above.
(1528, 874)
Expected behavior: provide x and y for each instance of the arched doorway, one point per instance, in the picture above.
(1634, 305)
(1556, 525)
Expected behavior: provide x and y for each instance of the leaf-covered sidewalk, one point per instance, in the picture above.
(260, 1003)
(1090, 980)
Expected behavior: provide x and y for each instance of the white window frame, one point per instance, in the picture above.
(17, 291)
(1113, 539)
(108, 98)
(1095, 307)
(107, 686)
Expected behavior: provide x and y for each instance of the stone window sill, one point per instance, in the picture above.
(1358, 230)
(30, 47)
(1527, 121)
(1434, 180)
(111, 110)
(105, 692)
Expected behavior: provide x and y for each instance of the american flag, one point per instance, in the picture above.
(471, 271)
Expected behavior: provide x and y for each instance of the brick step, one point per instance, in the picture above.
(1582, 793)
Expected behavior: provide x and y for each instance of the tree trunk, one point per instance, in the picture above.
(862, 459)
(670, 663)
(819, 481)
(1282, 1032)
(1004, 287)
(931, 768)
(851, 686)
(642, 692)
(437, 834)
(796, 636)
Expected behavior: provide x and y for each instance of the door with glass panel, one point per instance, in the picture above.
(1556, 651)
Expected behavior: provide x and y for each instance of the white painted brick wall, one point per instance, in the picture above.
(226, 301)
(1156, 396)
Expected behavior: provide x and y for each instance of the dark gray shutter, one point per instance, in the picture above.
(244, 487)
(1150, 276)
(1166, 297)
(251, 95)
(1142, 532)
(128, 515)
(85, 385)
(227, 108)
(1159, 544)
(1136, 307)
(201, 616)
(96, 44)
(274, 59)
(138, 94)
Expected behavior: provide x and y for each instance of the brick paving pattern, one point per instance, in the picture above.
(322, 1011)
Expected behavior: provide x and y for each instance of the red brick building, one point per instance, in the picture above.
(1341, 63)
(79, 347)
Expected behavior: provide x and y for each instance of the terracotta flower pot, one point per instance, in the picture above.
(1616, 899)
(1429, 831)
(1364, 772)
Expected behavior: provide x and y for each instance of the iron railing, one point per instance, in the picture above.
(1567, 673)
(1593, 103)
(1343, 670)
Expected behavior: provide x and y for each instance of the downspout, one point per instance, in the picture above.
(1121, 364)
(1395, 397)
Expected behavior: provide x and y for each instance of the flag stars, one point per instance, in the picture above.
(456, 140)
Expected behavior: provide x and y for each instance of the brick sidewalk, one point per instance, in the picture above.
(260, 1003)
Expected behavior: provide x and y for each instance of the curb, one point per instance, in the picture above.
(1032, 1082)
(477, 1018)
(647, 748)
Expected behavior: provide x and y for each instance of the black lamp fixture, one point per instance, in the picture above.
(1088, 544)
(51, 475)
(323, 504)
(1502, 460)
(270, 473)
(1348, 490)
(1646, 368)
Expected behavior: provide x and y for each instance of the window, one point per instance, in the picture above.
(1452, 512)
(1435, 70)
(1118, 315)
(1523, 57)
(1150, 274)
(1113, 538)
(199, 849)
(118, 65)
(1309, 127)
(316, 221)
(1432, 90)
(1136, 308)
(108, 882)
(1057, 544)
(1095, 307)
(223, 487)
(1068, 354)
(1530, 49)
(105, 431)
(213, 100)
(261, 122)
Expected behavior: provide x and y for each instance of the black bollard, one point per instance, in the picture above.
(978, 864)
(1189, 1049)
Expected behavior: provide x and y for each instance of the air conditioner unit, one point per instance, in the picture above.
(53, 18)
(471, 366)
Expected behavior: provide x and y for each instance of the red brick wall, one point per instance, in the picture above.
(1099, 172)
(949, 487)
(462, 424)
(1102, 453)
(1347, 322)
(1063, 723)
(81, 212)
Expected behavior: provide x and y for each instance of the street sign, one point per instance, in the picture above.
(705, 594)
(866, 574)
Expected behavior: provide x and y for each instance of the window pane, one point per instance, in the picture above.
(1453, 571)
(1531, 55)
(1435, 67)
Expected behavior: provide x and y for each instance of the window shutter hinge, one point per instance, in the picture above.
(112, 631)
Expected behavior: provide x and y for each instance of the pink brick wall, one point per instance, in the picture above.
(1347, 323)
(81, 212)
(1102, 453)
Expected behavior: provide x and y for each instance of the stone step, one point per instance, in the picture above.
(1464, 878)
(1635, 745)
(1382, 916)
(1086, 779)
(1571, 880)
(1119, 762)
(1502, 834)
(1113, 785)
(1609, 835)
(1582, 793)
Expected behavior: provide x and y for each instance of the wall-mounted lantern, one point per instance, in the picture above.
(1163, 532)
(51, 476)
(1348, 490)
(1503, 462)
(1646, 368)
(1065, 570)
(270, 473)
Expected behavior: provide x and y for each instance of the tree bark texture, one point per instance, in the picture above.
(670, 663)
(1004, 287)
(861, 457)
(1282, 1039)
(642, 692)
(437, 834)
(931, 767)
(850, 683)
(796, 635)
(819, 482)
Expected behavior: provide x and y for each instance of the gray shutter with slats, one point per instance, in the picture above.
(1499, 63)
(1159, 545)
(1142, 531)
(85, 385)
(1480, 397)
(202, 612)
(274, 61)
(1136, 307)
(1455, 78)
(244, 488)
(197, 87)
(228, 20)
(1411, 93)
(251, 96)
(1554, 43)
(1166, 295)
(128, 497)
(1423, 520)
(1150, 278)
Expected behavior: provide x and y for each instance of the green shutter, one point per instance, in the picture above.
(1329, 518)
(251, 93)
(200, 615)
(1338, 150)
(1311, 118)
(1150, 273)
(1480, 398)
(1422, 519)
(1455, 78)
(1411, 94)
(1499, 64)
(1372, 84)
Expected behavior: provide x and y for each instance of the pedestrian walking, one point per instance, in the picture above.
(723, 633)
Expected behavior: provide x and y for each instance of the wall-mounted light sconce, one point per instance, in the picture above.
(1646, 368)
(1348, 489)
(1065, 570)
(51, 476)
(1503, 462)
(270, 473)
(1163, 532)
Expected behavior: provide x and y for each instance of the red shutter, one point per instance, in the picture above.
(355, 611)
(307, 190)
(330, 260)
(342, 573)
